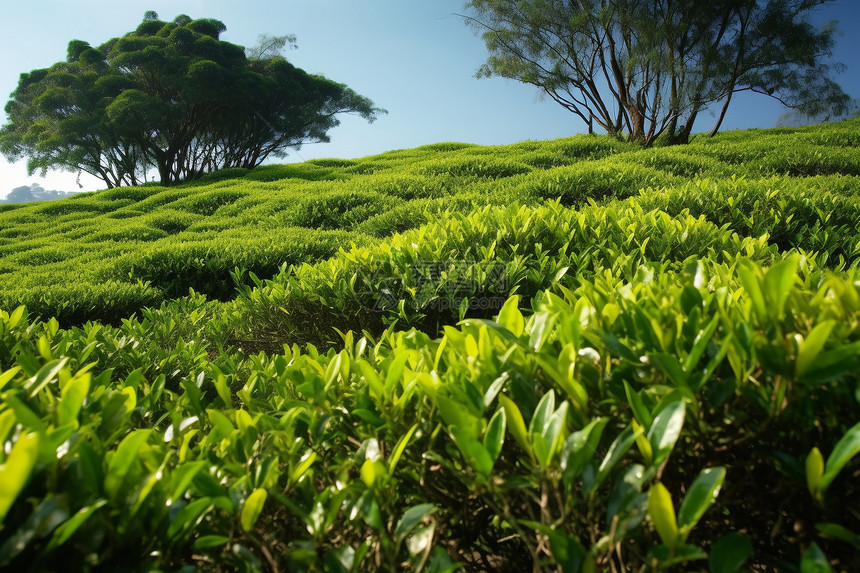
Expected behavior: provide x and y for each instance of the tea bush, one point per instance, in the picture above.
(573, 356)
(564, 437)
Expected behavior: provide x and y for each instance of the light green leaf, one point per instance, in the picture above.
(44, 376)
(748, 274)
(473, 451)
(516, 424)
(812, 345)
(371, 471)
(455, 413)
(252, 508)
(814, 471)
(510, 316)
(7, 375)
(662, 514)
(72, 398)
(221, 424)
(778, 281)
(304, 465)
(16, 471)
(399, 447)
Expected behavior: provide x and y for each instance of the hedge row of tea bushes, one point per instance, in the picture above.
(467, 265)
(704, 416)
(52, 255)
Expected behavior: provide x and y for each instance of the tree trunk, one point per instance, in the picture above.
(722, 113)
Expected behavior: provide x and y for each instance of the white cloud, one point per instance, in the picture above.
(14, 175)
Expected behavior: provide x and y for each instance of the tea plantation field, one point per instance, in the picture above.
(571, 355)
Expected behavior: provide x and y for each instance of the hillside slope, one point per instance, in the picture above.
(572, 355)
(106, 254)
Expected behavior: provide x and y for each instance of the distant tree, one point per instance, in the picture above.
(21, 194)
(639, 69)
(172, 97)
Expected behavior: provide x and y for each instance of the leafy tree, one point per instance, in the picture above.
(639, 69)
(172, 97)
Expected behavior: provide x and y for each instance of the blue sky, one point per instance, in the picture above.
(413, 57)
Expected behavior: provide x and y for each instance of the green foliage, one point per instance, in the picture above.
(653, 378)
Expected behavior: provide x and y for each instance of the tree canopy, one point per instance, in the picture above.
(642, 68)
(174, 98)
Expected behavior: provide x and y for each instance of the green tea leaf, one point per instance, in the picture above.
(836, 531)
(662, 514)
(748, 273)
(669, 365)
(411, 519)
(542, 413)
(371, 471)
(210, 541)
(473, 451)
(304, 465)
(185, 519)
(665, 430)
(494, 438)
(122, 459)
(368, 508)
(778, 281)
(510, 316)
(579, 448)
(221, 424)
(700, 496)
(252, 508)
(516, 424)
(814, 471)
(846, 448)
(637, 405)
(619, 447)
(549, 442)
(812, 345)
(67, 529)
(72, 398)
(399, 448)
(814, 560)
(7, 375)
(700, 344)
(15, 473)
(44, 376)
(457, 414)
(729, 553)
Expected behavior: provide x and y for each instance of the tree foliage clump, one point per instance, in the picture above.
(641, 69)
(174, 98)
